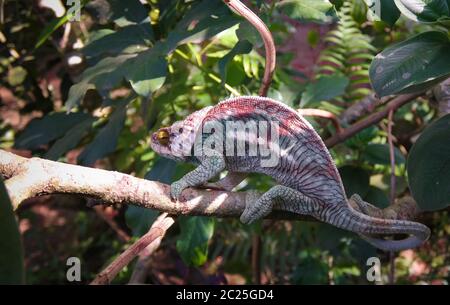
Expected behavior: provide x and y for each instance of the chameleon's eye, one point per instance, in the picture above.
(163, 137)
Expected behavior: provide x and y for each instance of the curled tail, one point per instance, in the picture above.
(345, 217)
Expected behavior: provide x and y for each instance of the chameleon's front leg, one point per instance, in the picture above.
(209, 168)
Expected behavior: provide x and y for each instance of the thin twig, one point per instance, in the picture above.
(361, 108)
(393, 188)
(157, 231)
(391, 155)
(322, 114)
(256, 258)
(102, 213)
(269, 45)
(370, 120)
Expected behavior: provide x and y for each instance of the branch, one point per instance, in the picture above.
(153, 236)
(266, 36)
(33, 177)
(393, 188)
(366, 106)
(370, 120)
(322, 114)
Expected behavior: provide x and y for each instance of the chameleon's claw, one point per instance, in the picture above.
(176, 189)
(245, 218)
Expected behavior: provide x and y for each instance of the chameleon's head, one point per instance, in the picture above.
(176, 141)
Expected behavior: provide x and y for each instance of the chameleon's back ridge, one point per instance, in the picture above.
(308, 180)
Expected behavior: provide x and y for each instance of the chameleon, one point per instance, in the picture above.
(308, 180)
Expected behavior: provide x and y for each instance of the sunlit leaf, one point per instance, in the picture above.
(146, 72)
(242, 47)
(427, 11)
(307, 10)
(412, 65)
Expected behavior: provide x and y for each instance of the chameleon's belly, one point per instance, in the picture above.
(299, 165)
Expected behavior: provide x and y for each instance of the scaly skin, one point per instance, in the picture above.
(309, 182)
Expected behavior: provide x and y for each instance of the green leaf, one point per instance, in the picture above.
(325, 88)
(426, 11)
(359, 11)
(192, 244)
(125, 13)
(307, 10)
(70, 140)
(387, 11)
(246, 31)
(429, 166)
(311, 270)
(130, 39)
(241, 47)
(205, 29)
(77, 93)
(103, 76)
(16, 76)
(105, 141)
(379, 154)
(140, 219)
(50, 28)
(377, 197)
(51, 127)
(355, 179)
(147, 71)
(412, 65)
(56, 24)
(11, 251)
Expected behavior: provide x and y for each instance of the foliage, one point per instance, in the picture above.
(11, 251)
(344, 64)
(429, 180)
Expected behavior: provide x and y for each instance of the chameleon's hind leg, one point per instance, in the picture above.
(364, 207)
(285, 198)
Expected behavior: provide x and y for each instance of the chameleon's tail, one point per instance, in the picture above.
(345, 217)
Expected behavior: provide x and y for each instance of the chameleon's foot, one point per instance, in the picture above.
(176, 189)
(250, 199)
(365, 207)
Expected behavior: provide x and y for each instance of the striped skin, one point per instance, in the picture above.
(309, 182)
